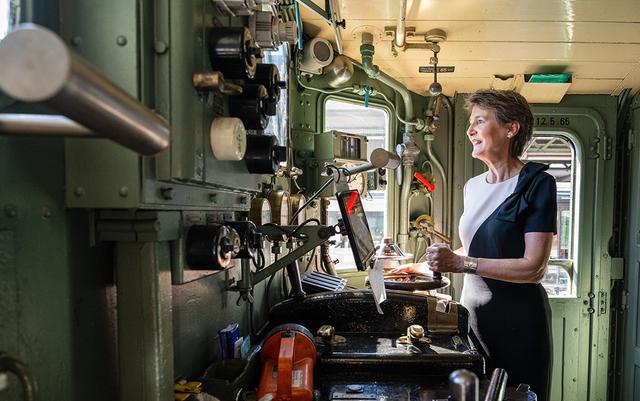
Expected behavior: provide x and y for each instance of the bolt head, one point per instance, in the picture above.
(10, 210)
(160, 47)
(168, 193)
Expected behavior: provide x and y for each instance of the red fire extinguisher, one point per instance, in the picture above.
(287, 356)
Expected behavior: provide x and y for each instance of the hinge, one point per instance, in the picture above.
(608, 147)
(588, 304)
(624, 300)
(596, 147)
(602, 303)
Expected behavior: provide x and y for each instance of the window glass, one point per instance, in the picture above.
(9, 15)
(278, 124)
(559, 153)
(374, 124)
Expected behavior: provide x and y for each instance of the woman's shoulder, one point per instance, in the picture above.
(541, 182)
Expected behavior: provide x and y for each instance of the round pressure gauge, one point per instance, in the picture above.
(260, 212)
(297, 201)
(280, 206)
(357, 181)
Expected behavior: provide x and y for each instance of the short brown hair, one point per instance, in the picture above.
(508, 106)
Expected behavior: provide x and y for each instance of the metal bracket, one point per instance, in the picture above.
(330, 15)
(137, 226)
(313, 236)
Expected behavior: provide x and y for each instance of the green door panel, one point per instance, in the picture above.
(631, 378)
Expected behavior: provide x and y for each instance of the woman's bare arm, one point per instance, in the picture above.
(528, 269)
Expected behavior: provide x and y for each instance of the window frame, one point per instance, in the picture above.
(577, 167)
(391, 141)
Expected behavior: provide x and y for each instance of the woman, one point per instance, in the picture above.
(506, 232)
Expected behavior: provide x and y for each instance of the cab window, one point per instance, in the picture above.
(374, 124)
(9, 16)
(558, 152)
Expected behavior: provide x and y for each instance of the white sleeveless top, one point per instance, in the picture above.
(481, 199)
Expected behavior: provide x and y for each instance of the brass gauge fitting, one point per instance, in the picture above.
(260, 212)
(297, 200)
(280, 207)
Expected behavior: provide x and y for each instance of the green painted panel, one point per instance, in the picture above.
(36, 319)
(203, 307)
(145, 334)
(100, 173)
(631, 352)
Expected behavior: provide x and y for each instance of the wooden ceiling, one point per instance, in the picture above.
(597, 41)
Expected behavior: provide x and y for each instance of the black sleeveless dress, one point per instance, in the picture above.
(513, 321)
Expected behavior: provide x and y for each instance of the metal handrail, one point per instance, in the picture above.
(37, 66)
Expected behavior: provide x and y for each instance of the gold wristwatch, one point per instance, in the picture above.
(470, 265)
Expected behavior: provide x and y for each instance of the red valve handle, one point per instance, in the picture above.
(427, 184)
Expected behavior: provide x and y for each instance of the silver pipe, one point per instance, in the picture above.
(39, 67)
(434, 160)
(405, 192)
(398, 87)
(497, 385)
(41, 124)
(408, 156)
(449, 193)
(400, 31)
(463, 385)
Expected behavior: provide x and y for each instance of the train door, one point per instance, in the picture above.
(631, 369)
(576, 138)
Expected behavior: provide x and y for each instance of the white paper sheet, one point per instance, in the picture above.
(376, 281)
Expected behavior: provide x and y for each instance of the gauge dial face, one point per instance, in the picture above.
(356, 182)
(284, 209)
(260, 212)
(297, 201)
(359, 183)
(280, 206)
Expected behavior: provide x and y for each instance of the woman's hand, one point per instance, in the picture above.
(442, 259)
(416, 268)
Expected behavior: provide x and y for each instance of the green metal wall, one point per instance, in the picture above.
(60, 309)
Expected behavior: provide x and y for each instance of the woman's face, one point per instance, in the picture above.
(489, 138)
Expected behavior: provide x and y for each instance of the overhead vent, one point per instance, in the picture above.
(543, 88)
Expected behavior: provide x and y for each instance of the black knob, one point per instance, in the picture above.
(271, 107)
(280, 153)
